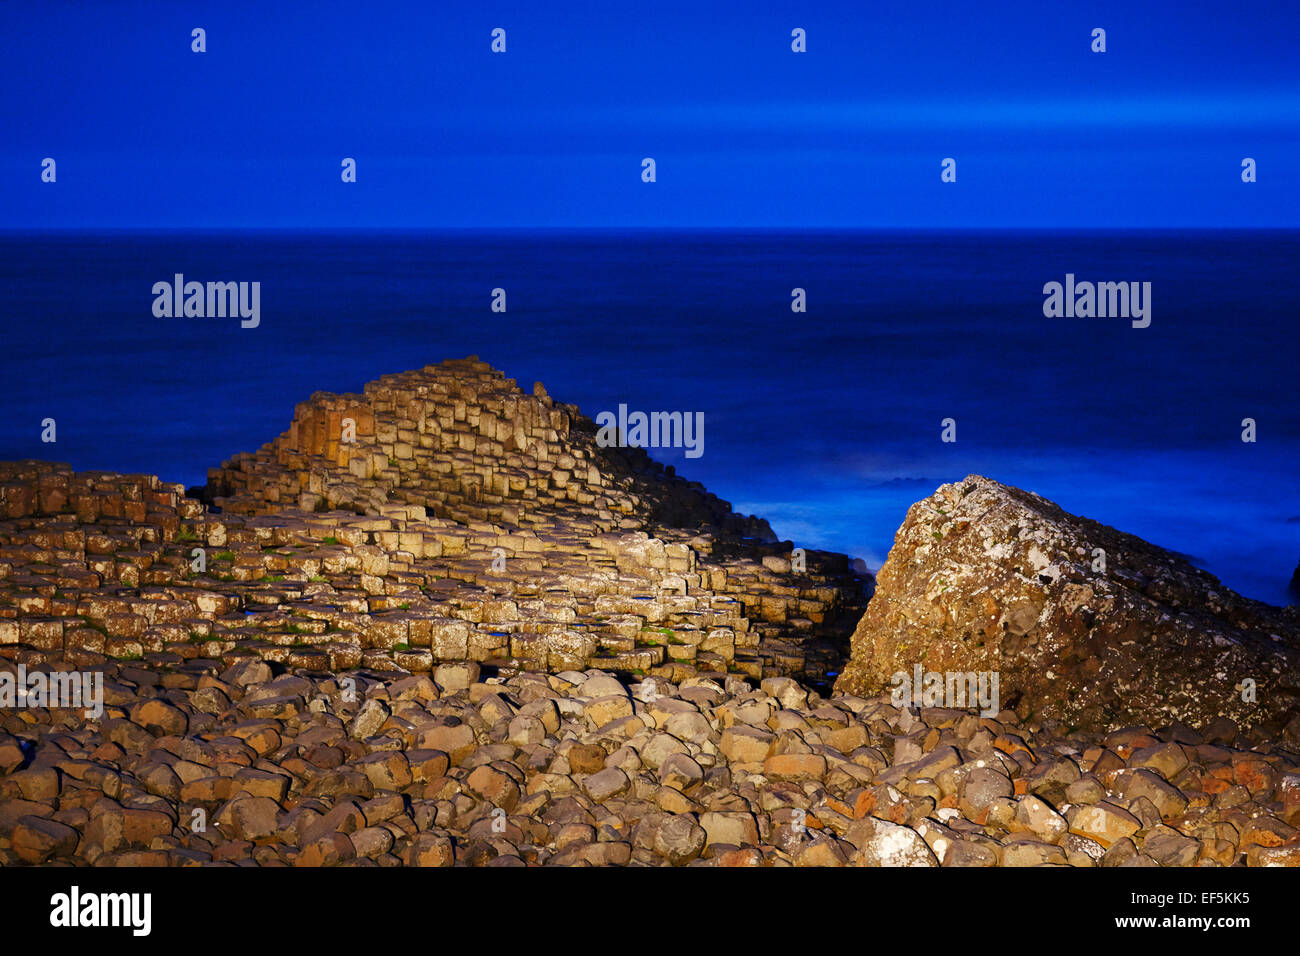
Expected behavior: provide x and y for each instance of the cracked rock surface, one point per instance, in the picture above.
(1085, 624)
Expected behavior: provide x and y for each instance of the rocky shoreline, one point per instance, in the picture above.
(195, 766)
(436, 624)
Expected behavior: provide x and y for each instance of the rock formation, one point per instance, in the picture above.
(467, 521)
(474, 638)
(1084, 624)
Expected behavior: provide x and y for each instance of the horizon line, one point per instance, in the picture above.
(301, 229)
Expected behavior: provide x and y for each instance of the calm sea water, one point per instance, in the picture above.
(826, 423)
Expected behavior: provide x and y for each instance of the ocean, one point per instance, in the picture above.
(828, 422)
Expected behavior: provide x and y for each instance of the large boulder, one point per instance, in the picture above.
(1082, 623)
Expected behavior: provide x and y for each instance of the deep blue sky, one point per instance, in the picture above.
(745, 132)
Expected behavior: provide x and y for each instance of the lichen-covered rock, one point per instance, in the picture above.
(1083, 624)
